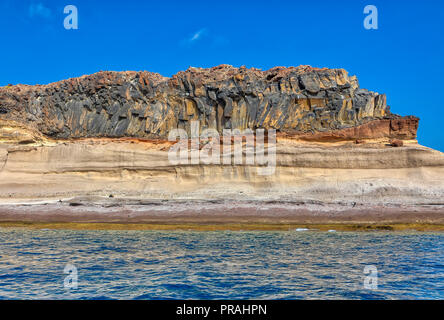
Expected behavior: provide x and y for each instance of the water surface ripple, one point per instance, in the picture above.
(220, 265)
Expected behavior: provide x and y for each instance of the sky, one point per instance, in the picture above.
(402, 58)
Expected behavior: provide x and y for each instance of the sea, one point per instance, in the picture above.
(297, 264)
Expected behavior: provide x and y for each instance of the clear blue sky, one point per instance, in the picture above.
(403, 58)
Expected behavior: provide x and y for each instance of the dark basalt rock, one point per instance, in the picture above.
(147, 105)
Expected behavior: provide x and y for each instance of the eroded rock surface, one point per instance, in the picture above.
(305, 101)
(368, 173)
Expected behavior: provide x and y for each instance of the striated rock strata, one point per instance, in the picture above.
(99, 141)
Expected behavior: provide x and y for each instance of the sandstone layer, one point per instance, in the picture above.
(132, 181)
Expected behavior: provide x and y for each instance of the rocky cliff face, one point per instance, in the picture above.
(310, 102)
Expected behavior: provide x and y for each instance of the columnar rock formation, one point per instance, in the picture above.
(310, 102)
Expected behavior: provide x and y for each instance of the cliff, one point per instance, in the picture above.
(309, 102)
(84, 146)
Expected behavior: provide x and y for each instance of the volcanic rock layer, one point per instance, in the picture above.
(310, 102)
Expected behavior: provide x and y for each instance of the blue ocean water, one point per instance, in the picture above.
(220, 265)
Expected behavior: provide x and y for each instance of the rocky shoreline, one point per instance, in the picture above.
(102, 213)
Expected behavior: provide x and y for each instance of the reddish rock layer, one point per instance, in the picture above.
(401, 128)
